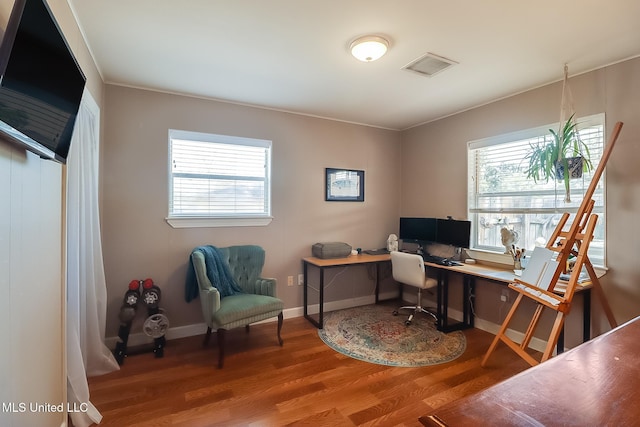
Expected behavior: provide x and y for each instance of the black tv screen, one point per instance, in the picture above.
(41, 83)
(454, 232)
(418, 229)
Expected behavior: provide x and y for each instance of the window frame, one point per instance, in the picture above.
(226, 219)
(474, 208)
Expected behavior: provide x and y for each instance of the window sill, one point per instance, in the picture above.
(177, 222)
(501, 258)
(489, 256)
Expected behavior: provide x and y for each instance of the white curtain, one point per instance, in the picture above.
(87, 354)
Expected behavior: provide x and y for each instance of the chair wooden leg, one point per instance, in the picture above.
(206, 337)
(246, 328)
(280, 319)
(221, 333)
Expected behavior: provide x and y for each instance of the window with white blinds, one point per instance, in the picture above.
(500, 194)
(218, 176)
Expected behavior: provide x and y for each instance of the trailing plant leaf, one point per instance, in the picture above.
(543, 156)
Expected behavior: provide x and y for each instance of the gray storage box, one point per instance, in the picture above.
(331, 250)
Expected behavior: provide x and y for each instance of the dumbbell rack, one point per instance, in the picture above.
(154, 326)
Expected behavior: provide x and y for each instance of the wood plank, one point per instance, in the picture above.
(303, 382)
(348, 260)
(593, 384)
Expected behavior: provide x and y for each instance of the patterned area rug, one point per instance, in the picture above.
(373, 334)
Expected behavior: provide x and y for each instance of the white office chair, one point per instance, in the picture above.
(409, 269)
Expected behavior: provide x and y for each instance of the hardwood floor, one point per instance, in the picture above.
(302, 383)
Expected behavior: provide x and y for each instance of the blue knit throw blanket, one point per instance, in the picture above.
(218, 273)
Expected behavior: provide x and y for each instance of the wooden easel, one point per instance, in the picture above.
(574, 241)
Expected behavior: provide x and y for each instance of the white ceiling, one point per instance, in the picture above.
(293, 55)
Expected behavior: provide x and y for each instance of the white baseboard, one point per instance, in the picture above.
(140, 338)
(347, 303)
(536, 343)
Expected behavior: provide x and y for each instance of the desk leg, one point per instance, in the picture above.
(586, 315)
(317, 324)
(305, 291)
(468, 292)
(469, 284)
(560, 343)
(443, 301)
(440, 321)
(377, 282)
(321, 312)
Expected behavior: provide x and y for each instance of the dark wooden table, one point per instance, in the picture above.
(594, 384)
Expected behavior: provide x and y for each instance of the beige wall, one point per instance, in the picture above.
(138, 243)
(436, 153)
(421, 171)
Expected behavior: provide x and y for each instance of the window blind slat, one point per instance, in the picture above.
(217, 175)
(500, 194)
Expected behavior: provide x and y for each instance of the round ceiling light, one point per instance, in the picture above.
(369, 48)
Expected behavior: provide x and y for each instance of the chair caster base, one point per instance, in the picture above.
(413, 312)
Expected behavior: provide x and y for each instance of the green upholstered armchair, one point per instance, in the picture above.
(256, 302)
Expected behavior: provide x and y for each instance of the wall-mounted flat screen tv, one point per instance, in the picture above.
(41, 83)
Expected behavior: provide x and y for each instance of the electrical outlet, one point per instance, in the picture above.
(300, 279)
(290, 281)
(505, 295)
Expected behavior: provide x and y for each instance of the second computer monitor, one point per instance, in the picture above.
(454, 232)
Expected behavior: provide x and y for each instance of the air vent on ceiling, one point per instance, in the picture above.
(429, 64)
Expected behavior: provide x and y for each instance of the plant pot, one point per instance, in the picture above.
(575, 166)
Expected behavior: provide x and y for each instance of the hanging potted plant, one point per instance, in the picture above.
(564, 158)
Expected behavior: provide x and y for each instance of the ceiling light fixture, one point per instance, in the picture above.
(369, 48)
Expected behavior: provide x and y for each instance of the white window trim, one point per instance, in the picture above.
(191, 222)
(178, 221)
(493, 256)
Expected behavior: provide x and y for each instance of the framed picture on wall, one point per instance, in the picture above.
(344, 185)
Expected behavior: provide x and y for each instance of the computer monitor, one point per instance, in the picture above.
(454, 232)
(417, 229)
